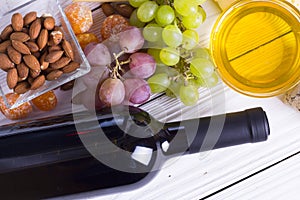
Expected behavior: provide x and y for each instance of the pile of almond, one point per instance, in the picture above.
(32, 50)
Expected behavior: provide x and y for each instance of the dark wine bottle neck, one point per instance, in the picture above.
(203, 134)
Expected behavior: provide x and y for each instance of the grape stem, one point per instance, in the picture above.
(118, 66)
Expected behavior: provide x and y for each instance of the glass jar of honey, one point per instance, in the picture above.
(255, 45)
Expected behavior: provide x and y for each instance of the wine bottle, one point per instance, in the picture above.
(116, 146)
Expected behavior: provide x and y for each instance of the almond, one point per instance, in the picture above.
(67, 86)
(4, 45)
(63, 61)
(55, 38)
(71, 67)
(5, 63)
(23, 71)
(14, 55)
(68, 49)
(54, 48)
(55, 74)
(42, 39)
(20, 47)
(38, 82)
(29, 17)
(123, 9)
(43, 63)
(60, 29)
(17, 21)
(22, 87)
(34, 73)
(6, 32)
(49, 23)
(12, 78)
(32, 46)
(32, 62)
(20, 36)
(107, 9)
(54, 56)
(35, 28)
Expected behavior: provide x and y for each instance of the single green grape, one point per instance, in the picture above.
(147, 11)
(134, 20)
(165, 15)
(185, 8)
(136, 3)
(172, 35)
(200, 52)
(155, 54)
(211, 81)
(201, 68)
(152, 32)
(189, 95)
(190, 39)
(169, 56)
(159, 82)
(192, 21)
(174, 87)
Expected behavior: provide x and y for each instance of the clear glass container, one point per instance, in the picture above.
(53, 8)
(255, 46)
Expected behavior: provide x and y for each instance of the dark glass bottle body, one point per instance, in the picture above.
(86, 151)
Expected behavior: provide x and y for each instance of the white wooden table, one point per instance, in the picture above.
(267, 170)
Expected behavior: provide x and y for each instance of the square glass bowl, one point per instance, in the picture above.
(43, 7)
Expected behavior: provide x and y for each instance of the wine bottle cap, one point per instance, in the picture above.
(259, 124)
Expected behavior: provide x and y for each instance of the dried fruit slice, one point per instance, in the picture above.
(46, 101)
(17, 113)
(113, 25)
(80, 17)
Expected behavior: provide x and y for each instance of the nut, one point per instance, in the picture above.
(43, 63)
(68, 49)
(14, 55)
(49, 23)
(29, 17)
(123, 9)
(107, 9)
(38, 82)
(72, 66)
(22, 87)
(20, 36)
(42, 39)
(4, 45)
(6, 32)
(63, 61)
(55, 74)
(35, 28)
(67, 86)
(23, 71)
(34, 73)
(32, 62)
(17, 22)
(20, 47)
(5, 63)
(55, 38)
(54, 56)
(54, 48)
(12, 78)
(32, 46)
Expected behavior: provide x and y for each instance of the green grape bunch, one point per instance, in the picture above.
(170, 29)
